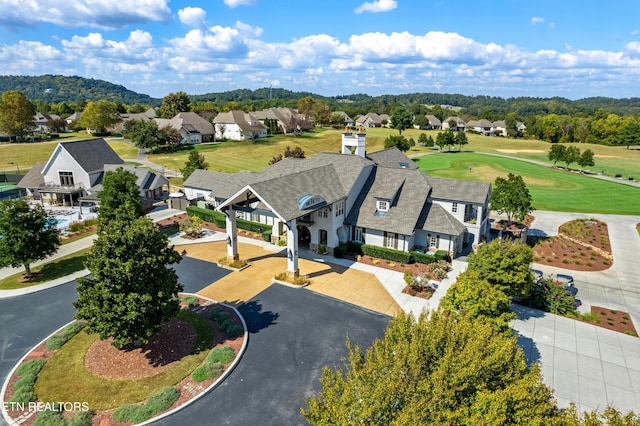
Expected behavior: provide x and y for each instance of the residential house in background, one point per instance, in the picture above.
(459, 124)
(288, 120)
(238, 125)
(483, 126)
(74, 172)
(193, 128)
(434, 122)
(348, 121)
(373, 119)
(380, 199)
(44, 123)
(148, 115)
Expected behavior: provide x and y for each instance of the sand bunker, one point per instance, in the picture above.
(515, 151)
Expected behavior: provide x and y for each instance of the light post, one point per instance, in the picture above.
(17, 167)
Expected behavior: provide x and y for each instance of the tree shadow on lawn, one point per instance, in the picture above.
(56, 269)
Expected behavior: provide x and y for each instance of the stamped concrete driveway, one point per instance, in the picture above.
(294, 333)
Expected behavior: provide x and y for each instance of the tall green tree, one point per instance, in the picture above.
(446, 138)
(571, 155)
(398, 141)
(131, 290)
(586, 159)
(511, 123)
(119, 198)
(511, 197)
(436, 370)
(401, 119)
(307, 107)
(143, 133)
(557, 153)
(16, 114)
(629, 134)
(505, 266)
(26, 234)
(475, 298)
(99, 115)
(195, 161)
(173, 104)
(461, 139)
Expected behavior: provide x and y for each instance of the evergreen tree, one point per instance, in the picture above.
(119, 198)
(194, 162)
(130, 291)
(26, 234)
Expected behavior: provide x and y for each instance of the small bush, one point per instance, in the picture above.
(60, 338)
(218, 315)
(266, 235)
(387, 254)
(156, 403)
(54, 418)
(299, 280)
(207, 371)
(30, 368)
(354, 247)
(234, 331)
(230, 262)
(423, 258)
(221, 354)
(340, 250)
(190, 300)
(23, 388)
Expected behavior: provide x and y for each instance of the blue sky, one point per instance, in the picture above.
(506, 48)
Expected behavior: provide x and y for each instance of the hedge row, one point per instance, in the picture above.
(220, 220)
(386, 253)
(156, 403)
(23, 388)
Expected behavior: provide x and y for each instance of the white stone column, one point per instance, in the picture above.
(232, 235)
(292, 249)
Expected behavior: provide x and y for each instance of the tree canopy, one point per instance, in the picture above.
(173, 104)
(556, 153)
(16, 114)
(511, 197)
(436, 370)
(401, 119)
(474, 298)
(26, 234)
(194, 162)
(398, 141)
(505, 266)
(130, 291)
(98, 115)
(446, 138)
(119, 198)
(461, 139)
(296, 152)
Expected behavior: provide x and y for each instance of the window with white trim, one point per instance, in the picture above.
(66, 178)
(339, 208)
(324, 212)
(391, 240)
(454, 207)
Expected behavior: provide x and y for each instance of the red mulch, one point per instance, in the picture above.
(579, 246)
(160, 353)
(613, 319)
(423, 293)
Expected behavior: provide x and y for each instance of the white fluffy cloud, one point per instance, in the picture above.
(377, 6)
(77, 13)
(536, 20)
(192, 16)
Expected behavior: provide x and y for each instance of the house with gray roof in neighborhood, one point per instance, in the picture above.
(380, 199)
(238, 125)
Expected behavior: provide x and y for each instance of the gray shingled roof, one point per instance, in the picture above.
(392, 157)
(282, 193)
(145, 178)
(92, 154)
(34, 177)
(434, 218)
(459, 190)
(405, 208)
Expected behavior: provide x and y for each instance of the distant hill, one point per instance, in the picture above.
(58, 88)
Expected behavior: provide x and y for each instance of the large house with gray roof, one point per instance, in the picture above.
(73, 174)
(379, 199)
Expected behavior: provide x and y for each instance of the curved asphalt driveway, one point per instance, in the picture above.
(293, 334)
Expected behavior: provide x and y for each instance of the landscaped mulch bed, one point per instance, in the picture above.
(175, 220)
(416, 268)
(613, 319)
(423, 293)
(176, 340)
(581, 245)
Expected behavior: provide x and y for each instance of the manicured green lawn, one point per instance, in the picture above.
(550, 188)
(50, 271)
(65, 378)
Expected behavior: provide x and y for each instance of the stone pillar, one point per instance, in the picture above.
(292, 249)
(232, 235)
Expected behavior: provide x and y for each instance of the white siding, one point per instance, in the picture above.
(62, 161)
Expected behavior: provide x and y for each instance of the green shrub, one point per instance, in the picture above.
(30, 368)
(218, 315)
(266, 235)
(60, 338)
(190, 300)
(54, 418)
(23, 388)
(23, 394)
(156, 403)
(221, 354)
(207, 371)
(354, 247)
(212, 216)
(251, 226)
(234, 330)
(550, 296)
(340, 251)
(441, 255)
(386, 253)
(423, 257)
